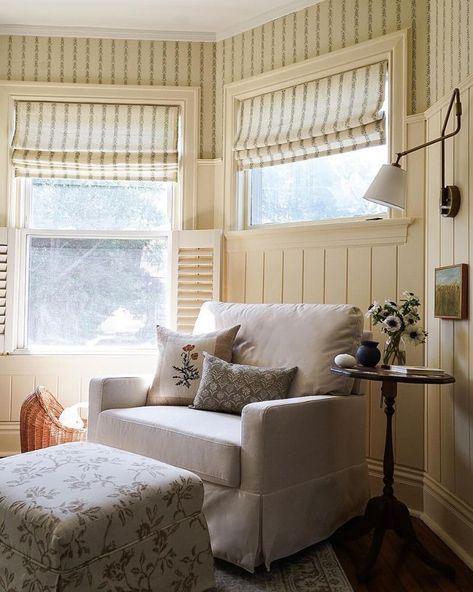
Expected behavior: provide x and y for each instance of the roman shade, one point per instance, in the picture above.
(95, 141)
(325, 116)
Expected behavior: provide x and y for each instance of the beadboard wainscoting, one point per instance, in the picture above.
(448, 496)
(347, 262)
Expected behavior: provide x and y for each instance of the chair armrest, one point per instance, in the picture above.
(290, 441)
(115, 392)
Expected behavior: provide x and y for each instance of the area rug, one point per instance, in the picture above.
(315, 569)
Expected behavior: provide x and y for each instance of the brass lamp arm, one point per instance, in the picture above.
(443, 137)
(450, 195)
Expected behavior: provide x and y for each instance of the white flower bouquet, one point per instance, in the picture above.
(398, 321)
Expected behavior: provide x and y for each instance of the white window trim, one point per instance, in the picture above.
(187, 98)
(392, 48)
(12, 208)
(20, 318)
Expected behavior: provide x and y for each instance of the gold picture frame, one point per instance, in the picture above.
(451, 292)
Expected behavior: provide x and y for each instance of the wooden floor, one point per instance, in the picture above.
(396, 572)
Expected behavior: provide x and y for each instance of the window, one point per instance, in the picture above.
(304, 142)
(315, 189)
(96, 261)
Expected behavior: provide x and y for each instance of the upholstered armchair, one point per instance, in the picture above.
(287, 473)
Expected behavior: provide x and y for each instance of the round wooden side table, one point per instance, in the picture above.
(386, 512)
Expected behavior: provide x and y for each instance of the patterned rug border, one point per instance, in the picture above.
(316, 569)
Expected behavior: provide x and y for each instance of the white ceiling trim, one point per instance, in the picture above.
(152, 34)
(106, 33)
(264, 17)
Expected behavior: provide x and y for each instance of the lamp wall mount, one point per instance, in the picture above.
(450, 197)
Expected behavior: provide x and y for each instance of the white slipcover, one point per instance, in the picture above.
(302, 469)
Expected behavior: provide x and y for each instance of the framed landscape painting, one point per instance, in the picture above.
(451, 292)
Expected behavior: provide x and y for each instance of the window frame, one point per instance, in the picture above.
(392, 47)
(184, 210)
(22, 275)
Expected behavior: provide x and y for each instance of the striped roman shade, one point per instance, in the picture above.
(95, 141)
(325, 116)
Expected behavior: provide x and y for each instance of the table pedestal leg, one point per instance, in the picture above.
(386, 511)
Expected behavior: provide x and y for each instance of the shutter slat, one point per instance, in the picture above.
(3, 286)
(195, 274)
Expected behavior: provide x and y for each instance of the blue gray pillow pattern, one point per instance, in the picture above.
(229, 387)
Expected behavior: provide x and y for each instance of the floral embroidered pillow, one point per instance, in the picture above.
(180, 361)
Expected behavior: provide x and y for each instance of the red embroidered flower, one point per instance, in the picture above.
(194, 356)
(188, 347)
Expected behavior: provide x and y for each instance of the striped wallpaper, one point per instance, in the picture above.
(322, 28)
(451, 47)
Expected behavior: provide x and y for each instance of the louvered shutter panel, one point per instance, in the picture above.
(3, 284)
(195, 276)
(9, 247)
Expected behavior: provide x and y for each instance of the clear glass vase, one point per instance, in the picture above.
(394, 351)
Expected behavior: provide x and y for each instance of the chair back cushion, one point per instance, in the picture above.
(308, 336)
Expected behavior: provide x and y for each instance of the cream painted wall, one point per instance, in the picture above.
(448, 490)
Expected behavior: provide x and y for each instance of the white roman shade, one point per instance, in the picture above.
(326, 116)
(95, 141)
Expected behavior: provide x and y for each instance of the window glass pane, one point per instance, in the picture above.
(316, 189)
(99, 293)
(99, 205)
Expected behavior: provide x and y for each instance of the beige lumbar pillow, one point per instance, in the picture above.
(180, 361)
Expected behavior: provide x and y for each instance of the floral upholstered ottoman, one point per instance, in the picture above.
(87, 517)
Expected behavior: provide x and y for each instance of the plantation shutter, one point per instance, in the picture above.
(9, 238)
(196, 260)
(95, 141)
(330, 115)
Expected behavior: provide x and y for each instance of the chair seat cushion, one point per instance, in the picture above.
(204, 442)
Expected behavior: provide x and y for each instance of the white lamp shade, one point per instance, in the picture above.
(388, 188)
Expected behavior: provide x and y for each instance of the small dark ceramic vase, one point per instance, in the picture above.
(368, 354)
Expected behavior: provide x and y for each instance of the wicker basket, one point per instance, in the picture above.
(39, 422)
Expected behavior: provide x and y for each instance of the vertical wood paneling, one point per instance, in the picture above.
(433, 326)
(5, 398)
(410, 400)
(254, 277)
(22, 386)
(69, 390)
(293, 275)
(359, 293)
(384, 286)
(235, 280)
(447, 396)
(273, 274)
(359, 278)
(49, 381)
(314, 276)
(461, 368)
(336, 260)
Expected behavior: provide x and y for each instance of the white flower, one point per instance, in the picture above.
(373, 309)
(392, 323)
(391, 303)
(415, 335)
(411, 319)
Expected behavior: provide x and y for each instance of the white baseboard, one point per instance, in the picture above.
(450, 518)
(444, 513)
(9, 438)
(408, 484)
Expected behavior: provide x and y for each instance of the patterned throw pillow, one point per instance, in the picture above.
(180, 360)
(229, 387)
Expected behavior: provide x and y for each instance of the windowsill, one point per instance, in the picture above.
(83, 352)
(331, 233)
